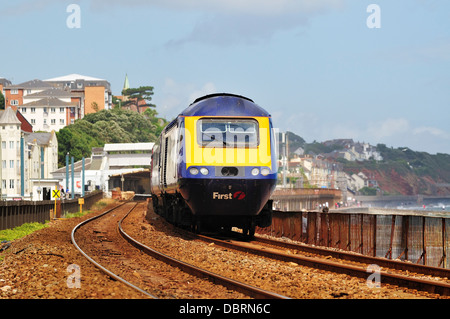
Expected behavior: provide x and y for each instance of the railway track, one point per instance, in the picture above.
(229, 283)
(97, 264)
(412, 276)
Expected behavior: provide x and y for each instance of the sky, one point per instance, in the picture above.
(376, 71)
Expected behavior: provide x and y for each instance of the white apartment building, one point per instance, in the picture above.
(10, 135)
(48, 113)
(26, 158)
(55, 103)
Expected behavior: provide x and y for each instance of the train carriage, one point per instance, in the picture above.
(214, 166)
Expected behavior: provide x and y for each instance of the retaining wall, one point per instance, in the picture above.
(415, 238)
(16, 213)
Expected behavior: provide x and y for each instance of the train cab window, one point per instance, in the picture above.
(228, 132)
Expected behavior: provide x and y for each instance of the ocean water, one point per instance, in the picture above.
(442, 207)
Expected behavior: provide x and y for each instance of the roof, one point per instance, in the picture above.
(41, 138)
(32, 84)
(120, 147)
(73, 77)
(49, 101)
(51, 92)
(9, 117)
(78, 166)
(126, 84)
(224, 104)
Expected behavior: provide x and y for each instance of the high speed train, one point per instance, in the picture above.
(215, 165)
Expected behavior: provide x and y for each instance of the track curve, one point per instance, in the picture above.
(98, 265)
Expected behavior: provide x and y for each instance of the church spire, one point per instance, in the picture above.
(126, 84)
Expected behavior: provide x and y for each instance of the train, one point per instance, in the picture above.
(214, 166)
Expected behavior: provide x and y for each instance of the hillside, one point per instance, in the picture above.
(406, 172)
(402, 171)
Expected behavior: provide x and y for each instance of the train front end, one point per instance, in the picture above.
(229, 162)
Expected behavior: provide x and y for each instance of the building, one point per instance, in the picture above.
(4, 82)
(24, 157)
(11, 150)
(123, 165)
(57, 102)
(42, 154)
(95, 93)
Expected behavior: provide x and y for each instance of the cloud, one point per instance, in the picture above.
(175, 97)
(225, 22)
(436, 132)
(388, 128)
(248, 7)
(25, 7)
(250, 22)
(400, 132)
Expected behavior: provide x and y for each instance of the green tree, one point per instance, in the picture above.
(136, 95)
(107, 126)
(2, 101)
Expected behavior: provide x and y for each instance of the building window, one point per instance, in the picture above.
(33, 110)
(11, 144)
(53, 109)
(61, 110)
(4, 183)
(4, 164)
(61, 121)
(4, 145)
(14, 91)
(24, 110)
(14, 102)
(11, 184)
(11, 163)
(53, 121)
(33, 121)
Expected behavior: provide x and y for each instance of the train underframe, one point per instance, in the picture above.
(174, 209)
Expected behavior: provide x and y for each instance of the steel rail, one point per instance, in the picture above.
(246, 289)
(431, 286)
(379, 261)
(96, 264)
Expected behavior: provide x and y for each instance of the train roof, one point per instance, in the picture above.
(224, 104)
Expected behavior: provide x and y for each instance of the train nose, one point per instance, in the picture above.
(229, 171)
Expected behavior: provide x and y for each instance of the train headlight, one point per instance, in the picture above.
(204, 171)
(255, 171)
(265, 171)
(193, 171)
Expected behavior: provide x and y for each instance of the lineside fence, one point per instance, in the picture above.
(16, 213)
(418, 239)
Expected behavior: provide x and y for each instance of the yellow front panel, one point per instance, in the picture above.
(197, 155)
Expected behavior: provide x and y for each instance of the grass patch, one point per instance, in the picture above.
(102, 203)
(20, 231)
(77, 214)
(96, 207)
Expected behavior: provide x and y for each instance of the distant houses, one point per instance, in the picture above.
(49, 105)
(324, 171)
(34, 111)
(352, 151)
(27, 158)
